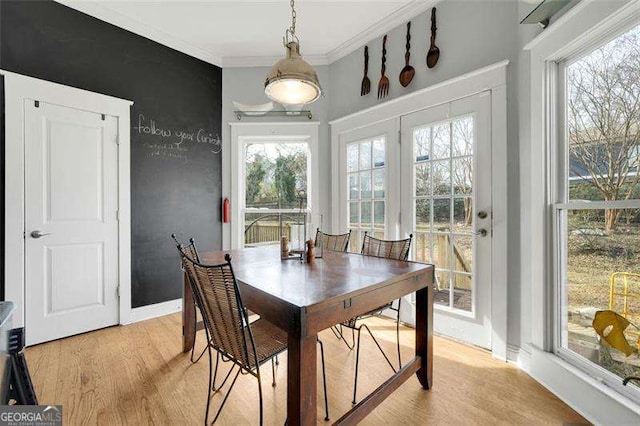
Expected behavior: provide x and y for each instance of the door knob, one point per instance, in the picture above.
(482, 214)
(38, 234)
(482, 232)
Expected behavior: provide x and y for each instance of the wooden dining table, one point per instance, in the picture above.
(306, 298)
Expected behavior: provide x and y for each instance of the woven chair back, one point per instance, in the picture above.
(222, 310)
(335, 242)
(388, 249)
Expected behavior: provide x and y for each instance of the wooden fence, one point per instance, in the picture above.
(442, 258)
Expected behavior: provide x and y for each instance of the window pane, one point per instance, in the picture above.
(421, 140)
(365, 214)
(378, 184)
(441, 295)
(441, 142)
(462, 175)
(462, 215)
(354, 214)
(378, 153)
(422, 179)
(352, 157)
(441, 178)
(598, 261)
(365, 155)
(378, 213)
(603, 121)
(276, 175)
(462, 138)
(422, 246)
(442, 215)
(365, 184)
(423, 215)
(462, 292)
(354, 191)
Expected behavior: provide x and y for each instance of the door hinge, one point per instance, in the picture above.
(118, 291)
(117, 140)
(117, 214)
(399, 217)
(399, 136)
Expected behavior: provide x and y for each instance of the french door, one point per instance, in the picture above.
(446, 205)
(428, 174)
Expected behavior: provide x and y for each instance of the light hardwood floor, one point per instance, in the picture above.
(136, 374)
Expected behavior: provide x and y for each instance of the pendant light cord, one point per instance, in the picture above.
(290, 33)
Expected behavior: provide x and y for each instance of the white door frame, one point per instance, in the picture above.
(494, 78)
(18, 89)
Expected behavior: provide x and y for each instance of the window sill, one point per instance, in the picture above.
(594, 400)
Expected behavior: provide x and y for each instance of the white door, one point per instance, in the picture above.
(446, 191)
(368, 183)
(71, 235)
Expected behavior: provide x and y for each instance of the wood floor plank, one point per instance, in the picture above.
(137, 374)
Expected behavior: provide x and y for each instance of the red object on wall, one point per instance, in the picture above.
(226, 210)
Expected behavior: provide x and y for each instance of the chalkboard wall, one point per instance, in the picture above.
(175, 126)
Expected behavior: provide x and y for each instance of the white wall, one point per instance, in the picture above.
(246, 85)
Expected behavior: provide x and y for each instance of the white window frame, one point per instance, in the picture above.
(245, 133)
(576, 381)
(493, 78)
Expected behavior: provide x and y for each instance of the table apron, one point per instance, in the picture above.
(317, 319)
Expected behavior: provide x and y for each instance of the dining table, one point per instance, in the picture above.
(305, 298)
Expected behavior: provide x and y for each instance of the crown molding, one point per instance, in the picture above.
(268, 61)
(110, 16)
(397, 18)
(106, 14)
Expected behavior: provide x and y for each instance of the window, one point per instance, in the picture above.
(275, 192)
(597, 208)
(274, 186)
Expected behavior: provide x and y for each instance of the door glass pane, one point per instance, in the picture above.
(444, 223)
(367, 189)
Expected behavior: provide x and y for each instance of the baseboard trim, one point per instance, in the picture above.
(156, 310)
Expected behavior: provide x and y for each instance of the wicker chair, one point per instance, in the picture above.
(335, 242)
(246, 345)
(399, 250)
(191, 251)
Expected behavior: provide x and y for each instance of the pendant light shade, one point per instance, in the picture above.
(292, 82)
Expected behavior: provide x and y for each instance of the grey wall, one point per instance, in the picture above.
(246, 85)
(471, 35)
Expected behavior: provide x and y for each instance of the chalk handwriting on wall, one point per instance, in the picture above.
(174, 144)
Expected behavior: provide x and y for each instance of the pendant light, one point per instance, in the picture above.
(292, 82)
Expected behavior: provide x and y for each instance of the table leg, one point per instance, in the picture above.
(301, 380)
(188, 315)
(424, 335)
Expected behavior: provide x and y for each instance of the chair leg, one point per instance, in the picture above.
(206, 415)
(227, 395)
(398, 334)
(225, 378)
(260, 395)
(340, 335)
(355, 381)
(215, 373)
(324, 382)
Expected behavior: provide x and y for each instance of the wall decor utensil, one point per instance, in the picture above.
(407, 73)
(365, 87)
(383, 84)
(434, 53)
